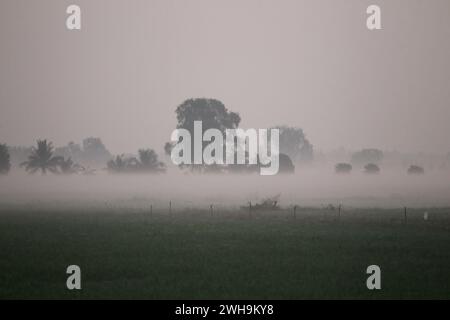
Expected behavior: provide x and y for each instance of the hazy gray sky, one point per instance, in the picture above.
(311, 64)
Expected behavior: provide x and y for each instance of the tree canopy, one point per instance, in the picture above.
(41, 158)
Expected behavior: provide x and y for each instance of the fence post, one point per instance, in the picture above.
(295, 211)
(151, 210)
(211, 209)
(339, 212)
(250, 208)
(170, 207)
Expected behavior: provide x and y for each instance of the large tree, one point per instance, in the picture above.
(41, 158)
(212, 113)
(5, 163)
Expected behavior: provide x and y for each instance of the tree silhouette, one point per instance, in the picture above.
(69, 167)
(371, 168)
(286, 165)
(42, 158)
(5, 163)
(71, 150)
(94, 152)
(119, 164)
(168, 148)
(413, 169)
(294, 144)
(148, 161)
(212, 113)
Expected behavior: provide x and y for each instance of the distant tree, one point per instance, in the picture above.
(148, 161)
(343, 168)
(371, 168)
(413, 169)
(118, 164)
(94, 151)
(69, 167)
(5, 164)
(19, 154)
(374, 156)
(42, 158)
(286, 165)
(71, 150)
(294, 144)
(168, 148)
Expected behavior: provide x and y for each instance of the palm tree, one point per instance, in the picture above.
(70, 167)
(5, 164)
(42, 158)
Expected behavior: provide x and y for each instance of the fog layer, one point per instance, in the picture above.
(312, 187)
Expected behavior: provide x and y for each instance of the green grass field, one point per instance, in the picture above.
(128, 253)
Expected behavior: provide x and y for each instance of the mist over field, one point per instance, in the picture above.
(309, 187)
(92, 92)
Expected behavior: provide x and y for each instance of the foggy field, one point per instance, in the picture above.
(225, 150)
(129, 244)
(311, 186)
(128, 252)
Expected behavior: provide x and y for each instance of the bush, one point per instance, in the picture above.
(415, 170)
(371, 168)
(343, 168)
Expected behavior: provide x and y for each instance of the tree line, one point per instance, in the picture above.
(295, 148)
(73, 158)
